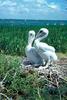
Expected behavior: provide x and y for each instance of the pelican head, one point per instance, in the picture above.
(31, 36)
(43, 33)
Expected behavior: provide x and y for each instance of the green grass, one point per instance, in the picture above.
(13, 38)
(26, 85)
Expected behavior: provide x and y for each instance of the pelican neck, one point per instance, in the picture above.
(29, 42)
(37, 40)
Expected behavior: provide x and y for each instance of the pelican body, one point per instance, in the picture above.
(44, 50)
(31, 52)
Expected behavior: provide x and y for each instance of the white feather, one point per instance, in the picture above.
(44, 50)
(31, 52)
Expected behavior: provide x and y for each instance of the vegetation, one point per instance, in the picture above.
(20, 84)
(13, 38)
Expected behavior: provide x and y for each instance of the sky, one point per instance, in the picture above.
(33, 9)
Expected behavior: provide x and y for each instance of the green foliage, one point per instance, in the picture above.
(13, 38)
(26, 85)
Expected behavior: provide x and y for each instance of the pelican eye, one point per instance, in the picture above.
(41, 31)
(31, 34)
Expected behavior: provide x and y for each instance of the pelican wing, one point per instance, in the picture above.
(45, 47)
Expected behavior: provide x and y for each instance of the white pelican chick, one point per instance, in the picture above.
(44, 50)
(31, 52)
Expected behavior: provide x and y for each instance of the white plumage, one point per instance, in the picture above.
(44, 50)
(31, 52)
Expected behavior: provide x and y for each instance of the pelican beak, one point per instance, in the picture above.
(37, 35)
(33, 42)
(34, 39)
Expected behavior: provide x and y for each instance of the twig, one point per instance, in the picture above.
(6, 75)
(50, 81)
(58, 89)
(63, 79)
(1, 82)
(39, 94)
(5, 96)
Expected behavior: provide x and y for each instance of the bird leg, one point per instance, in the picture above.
(47, 63)
(48, 66)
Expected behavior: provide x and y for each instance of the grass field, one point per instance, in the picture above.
(21, 85)
(13, 38)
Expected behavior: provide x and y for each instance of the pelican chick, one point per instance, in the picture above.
(31, 52)
(44, 50)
